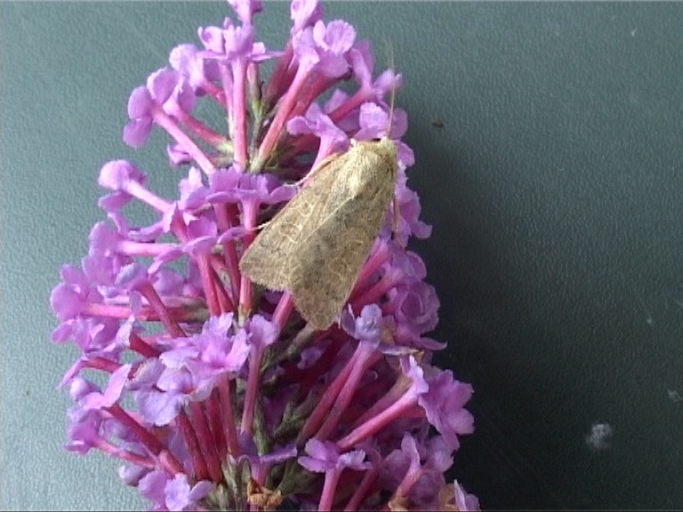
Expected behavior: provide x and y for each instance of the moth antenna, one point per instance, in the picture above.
(392, 97)
(392, 100)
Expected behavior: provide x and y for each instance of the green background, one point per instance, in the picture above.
(554, 188)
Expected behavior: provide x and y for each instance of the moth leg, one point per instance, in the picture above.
(262, 225)
(397, 215)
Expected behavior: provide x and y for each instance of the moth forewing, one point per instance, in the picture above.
(267, 261)
(316, 246)
(329, 263)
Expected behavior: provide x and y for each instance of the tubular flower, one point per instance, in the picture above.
(213, 393)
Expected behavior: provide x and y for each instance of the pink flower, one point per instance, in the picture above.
(211, 390)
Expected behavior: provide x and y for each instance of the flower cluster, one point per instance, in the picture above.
(213, 392)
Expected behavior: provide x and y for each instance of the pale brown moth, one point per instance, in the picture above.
(316, 246)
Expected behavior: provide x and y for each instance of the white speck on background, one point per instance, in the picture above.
(674, 395)
(599, 437)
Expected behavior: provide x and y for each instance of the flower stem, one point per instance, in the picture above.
(206, 441)
(326, 401)
(140, 346)
(226, 216)
(283, 310)
(329, 488)
(192, 443)
(277, 83)
(168, 124)
(209, 286)
(213, 410)
(361, 491)
(388, 281)
(209, 135)
(364, 358)
(283, 111)
(251, 394)
(377, 422)
(157, 304)
(229, 429)
(239, 112)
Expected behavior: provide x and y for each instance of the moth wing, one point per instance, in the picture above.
(268, 260)
(327, 264)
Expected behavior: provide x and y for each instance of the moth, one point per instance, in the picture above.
(315, 247)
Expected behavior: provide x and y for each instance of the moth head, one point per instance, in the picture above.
(387, 149)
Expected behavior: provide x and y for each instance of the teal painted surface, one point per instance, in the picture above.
(554, 188)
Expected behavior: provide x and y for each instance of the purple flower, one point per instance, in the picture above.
(367, 327)
(409, 208)
(120, 175)
(219, 352)
(444, 403)
(193, 193)
(250, 453)
(67, 301)
(112, 393)
(175, 389)
(415, 308)
(305, 13)
(325, 47)
(233, 185)
(83, 432)
(212, 385)
(200, 73)
(153, 487)
(463, 500)
(233, 44)
(332, 139)
(177, 155)
(374, 122)
(245, 9)
(181, 496)
(262, 333)
(202, 235)
(333, 42)
(131, 475)
(454, 497)
(362, 64)
(166, 91)
(325, 456)
(140, 111)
